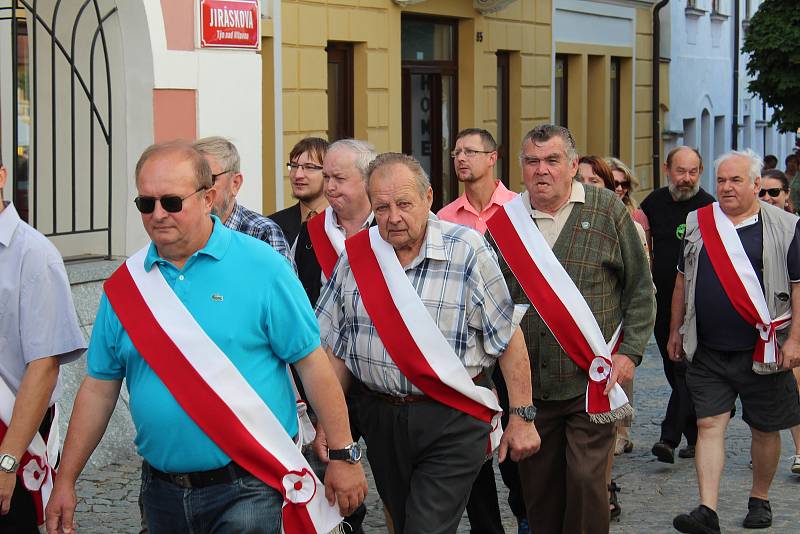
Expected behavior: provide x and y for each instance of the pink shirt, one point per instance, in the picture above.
(460, 211)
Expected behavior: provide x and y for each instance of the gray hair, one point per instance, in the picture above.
(221, 150)
(202, 171)
(421, 178)
(364, 153)
(545, 132)
(754, 163)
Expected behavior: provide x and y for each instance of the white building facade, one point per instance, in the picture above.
(698, 44)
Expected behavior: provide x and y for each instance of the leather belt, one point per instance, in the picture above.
(200, 479)
(411, 398)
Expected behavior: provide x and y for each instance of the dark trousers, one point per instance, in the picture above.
(425, 457)
(483, 509)
(564, 484)
(21, 517)
(680, 418)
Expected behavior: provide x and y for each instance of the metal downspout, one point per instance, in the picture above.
(655, 105)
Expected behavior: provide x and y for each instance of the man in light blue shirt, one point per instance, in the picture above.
(248, 301)
(38, 332)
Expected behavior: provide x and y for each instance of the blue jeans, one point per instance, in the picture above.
(244, 506)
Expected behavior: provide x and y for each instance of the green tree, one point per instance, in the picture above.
(773, 42)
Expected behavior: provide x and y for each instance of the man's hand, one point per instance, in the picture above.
(675, 346)
(622, 369)
(7, 483)
(61, 509)
(320, 445)
(789, 354)
(520, 440)
(345, 483)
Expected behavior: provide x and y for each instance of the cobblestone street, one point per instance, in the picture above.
(652, 492)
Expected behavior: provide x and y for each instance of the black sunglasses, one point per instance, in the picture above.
(170, 203)
(774, 192)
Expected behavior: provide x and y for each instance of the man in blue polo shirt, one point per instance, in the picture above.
(246, 298)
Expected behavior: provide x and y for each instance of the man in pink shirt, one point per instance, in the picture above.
(474, 158)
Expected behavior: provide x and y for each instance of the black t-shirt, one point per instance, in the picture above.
(719, 325)
(667, 220)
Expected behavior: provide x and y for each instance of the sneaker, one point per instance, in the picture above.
(701, 520)
(522, 526)
(686, 452)
(796, 464)
(759, 514)
(664, 452)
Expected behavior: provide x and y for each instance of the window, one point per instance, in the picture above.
(613, 149)
(340, 91)
(502, 166)
(560, 91)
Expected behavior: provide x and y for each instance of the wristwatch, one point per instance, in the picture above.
(8, 463)
(350, 454)
(528, 413)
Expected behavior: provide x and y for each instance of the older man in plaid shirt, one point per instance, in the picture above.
(223, 158)
(425, 453)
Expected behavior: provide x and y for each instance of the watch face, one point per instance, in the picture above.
(7, 462)
(355, 453)
(530, 413)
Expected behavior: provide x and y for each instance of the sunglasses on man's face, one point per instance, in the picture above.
(170, 203)
(774, 192)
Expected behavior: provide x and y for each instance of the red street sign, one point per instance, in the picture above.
(229, 24)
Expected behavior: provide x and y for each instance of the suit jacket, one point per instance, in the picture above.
(289, 221)
(308, 268)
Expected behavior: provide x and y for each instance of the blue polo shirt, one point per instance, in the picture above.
(249, 301)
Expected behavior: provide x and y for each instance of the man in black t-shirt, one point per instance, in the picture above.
(666, 209)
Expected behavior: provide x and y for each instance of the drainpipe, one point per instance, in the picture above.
(277, 77)
(735, 125)
(656, 91)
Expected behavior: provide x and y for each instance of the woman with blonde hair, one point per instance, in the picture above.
(626, 183)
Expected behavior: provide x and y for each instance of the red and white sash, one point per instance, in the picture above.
(561, 306)
(37, 467)
(214, 394)
(411, 337)
(327, 240)
(740, 282)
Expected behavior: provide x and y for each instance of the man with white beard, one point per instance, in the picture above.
(666, 209)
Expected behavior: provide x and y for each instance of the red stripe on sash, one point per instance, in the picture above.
(36, 496)
(394, 332)
(195, 396)
(539, 291)
(723, 266)
(323, 249)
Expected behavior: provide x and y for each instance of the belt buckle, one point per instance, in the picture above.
(182, 480)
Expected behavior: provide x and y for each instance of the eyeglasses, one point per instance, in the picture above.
(215, 176)
(307, 167)
(468, 152)
(170, 203)
(623, 185)
(774, 192)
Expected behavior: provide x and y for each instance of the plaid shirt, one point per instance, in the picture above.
(459, 280)
(256, 225)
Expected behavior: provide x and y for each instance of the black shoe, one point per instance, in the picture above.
(686, 452)
(664, 452)
(616, 510)
(701, 520)
(759, 514)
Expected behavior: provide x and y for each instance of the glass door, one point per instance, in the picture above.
(430, 101)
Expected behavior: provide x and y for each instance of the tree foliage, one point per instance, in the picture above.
(773, 42)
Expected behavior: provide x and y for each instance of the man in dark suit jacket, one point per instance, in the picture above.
(305, 175)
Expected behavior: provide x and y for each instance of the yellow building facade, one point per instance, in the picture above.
(407, 75)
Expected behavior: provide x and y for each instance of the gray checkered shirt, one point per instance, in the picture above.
(459, 280)
(256, 225)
